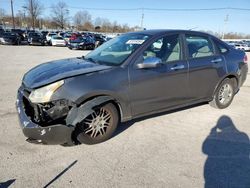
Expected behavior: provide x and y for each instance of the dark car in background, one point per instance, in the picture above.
(35, 38)
(100, 39)
(81, 43)
(82, 100)
(1, 30)
(10, 38)
(44, 33)
(19, 32)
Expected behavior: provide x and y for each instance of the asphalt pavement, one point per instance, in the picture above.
(184, 148)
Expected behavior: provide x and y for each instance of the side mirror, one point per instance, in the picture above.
(150, 62)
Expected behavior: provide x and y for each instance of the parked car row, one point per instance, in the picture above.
(73, 40)
(241, 45)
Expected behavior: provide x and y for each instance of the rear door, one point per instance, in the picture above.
(158, 88)
(206, 67)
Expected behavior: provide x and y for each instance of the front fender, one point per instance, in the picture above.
(78, 114)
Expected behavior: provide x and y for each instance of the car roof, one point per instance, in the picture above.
(165, 31)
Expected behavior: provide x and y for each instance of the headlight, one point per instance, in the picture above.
(43, 94)
(82, 43)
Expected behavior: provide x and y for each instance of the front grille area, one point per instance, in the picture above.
(47, 113)
(29, 110)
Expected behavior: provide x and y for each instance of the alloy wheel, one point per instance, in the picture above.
(98, 122)
(225, 94)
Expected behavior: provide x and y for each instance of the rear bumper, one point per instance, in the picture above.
(54, 134)
(243, 74)
(36, 43)
(59, 44)
(74, 46)
(8, 42)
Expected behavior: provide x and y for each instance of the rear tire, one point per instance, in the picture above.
(224, 94)
(98, 126)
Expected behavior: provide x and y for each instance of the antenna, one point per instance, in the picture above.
(142, 19)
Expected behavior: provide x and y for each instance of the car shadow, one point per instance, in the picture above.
(124, 126)
(227, 150)
(7, 183)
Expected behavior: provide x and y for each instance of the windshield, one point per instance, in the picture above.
(117, 50)
(57, 38)
(35, 34)
(7, 34)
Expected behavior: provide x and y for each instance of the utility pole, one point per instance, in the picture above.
(142, 19)
(225, 24)
(32, 14)
(12, 13)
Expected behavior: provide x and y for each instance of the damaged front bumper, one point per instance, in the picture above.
(51, 134)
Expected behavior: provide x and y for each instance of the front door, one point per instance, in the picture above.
(154, 89)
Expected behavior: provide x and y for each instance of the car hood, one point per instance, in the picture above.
(57, 70)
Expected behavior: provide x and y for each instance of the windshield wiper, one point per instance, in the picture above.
(82, 57)
(88, 59)
(91, 60)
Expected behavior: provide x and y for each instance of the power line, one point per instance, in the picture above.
(199, 9)
(160, 9)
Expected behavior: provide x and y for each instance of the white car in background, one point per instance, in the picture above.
(243, 47)
(57, 41)
(49, 36)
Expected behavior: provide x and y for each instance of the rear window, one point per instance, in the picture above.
(57, 38)
(221, 47)
(199, 46)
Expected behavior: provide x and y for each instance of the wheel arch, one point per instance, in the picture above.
(110, 99)
(229, 76)
(86, 107)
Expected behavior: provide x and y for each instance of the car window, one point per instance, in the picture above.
(117, 50)
(199, 46)
(221, 47)
(166, 48)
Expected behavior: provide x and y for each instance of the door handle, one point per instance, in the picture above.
(217, 60)
(178, 67)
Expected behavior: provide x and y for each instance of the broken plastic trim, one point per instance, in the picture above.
(78, 114)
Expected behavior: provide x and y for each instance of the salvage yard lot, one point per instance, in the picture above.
(170, 150)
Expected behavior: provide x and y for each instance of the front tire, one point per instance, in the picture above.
(98, 126)
(224, 94)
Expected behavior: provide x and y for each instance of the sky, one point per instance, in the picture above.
(213, 20)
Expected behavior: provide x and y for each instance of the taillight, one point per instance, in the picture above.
(245, 59)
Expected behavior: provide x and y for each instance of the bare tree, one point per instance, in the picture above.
(34, 9)
(98, 21)
(60, 14)
(2, 14)
(104, 24)
(82, 18)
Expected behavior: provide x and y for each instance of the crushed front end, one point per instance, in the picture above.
(44, 122)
